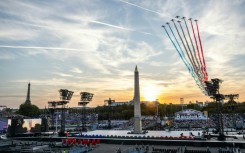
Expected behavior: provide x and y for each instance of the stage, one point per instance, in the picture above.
(148, 134)
(124, 133)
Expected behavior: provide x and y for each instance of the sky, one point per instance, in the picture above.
(94, 46)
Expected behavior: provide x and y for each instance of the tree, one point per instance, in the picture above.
(28, 110)
(211, 107)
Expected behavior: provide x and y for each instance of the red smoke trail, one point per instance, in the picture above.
(183, 44)
(204, 64)
(199, 56)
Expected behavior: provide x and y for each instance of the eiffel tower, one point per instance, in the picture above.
(28, 101)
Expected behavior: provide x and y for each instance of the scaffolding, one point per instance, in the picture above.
(65, 96)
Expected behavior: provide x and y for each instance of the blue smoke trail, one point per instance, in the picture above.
(182, 52)
(188, 66)
(177, 50)
(185, 60)
(194, 74)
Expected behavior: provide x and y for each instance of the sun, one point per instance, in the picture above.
(150, 92)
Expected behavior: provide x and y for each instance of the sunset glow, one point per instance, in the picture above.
(94, 47)
(150, 92)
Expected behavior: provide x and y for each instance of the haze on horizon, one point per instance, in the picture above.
(94, 45)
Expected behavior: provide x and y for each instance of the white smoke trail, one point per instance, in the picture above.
(118, 27)
(141, 7)
(40, 47)
(91, 21)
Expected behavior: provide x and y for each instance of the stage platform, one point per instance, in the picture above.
(151, 138)
(148, 134)
(155, 134)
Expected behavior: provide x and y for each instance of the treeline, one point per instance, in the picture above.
(126, 112)
(229, 107)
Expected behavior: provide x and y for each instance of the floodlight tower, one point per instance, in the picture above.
(65, 96)
(213, 91)
(109, 102)
(86, 98)
(51, 108)
(231, 97)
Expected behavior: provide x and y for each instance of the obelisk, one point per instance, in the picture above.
(137, 110)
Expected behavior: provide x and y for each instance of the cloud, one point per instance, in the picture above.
(6, 56)
(98, 45)
(63, 74)
(9, 33)
(76, 70)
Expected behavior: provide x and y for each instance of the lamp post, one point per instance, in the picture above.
(182, 102)
(86, 98)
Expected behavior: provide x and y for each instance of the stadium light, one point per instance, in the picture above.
(65, 94)
(86, 98)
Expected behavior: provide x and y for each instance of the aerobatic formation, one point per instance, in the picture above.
(188, 44)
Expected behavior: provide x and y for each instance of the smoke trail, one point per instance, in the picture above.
(119, 27)
(200, 78)
(204, 64)
(196, 68)
(192, 62)
(140, 7)
(182, 52)
(193, 48)
(192, 58)
(182, 42)
(199, 56)
(177, 50)
(90, 21)
(191, 71)
(146, 9)
(199, 69)
(39, 47)
(195, 74)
